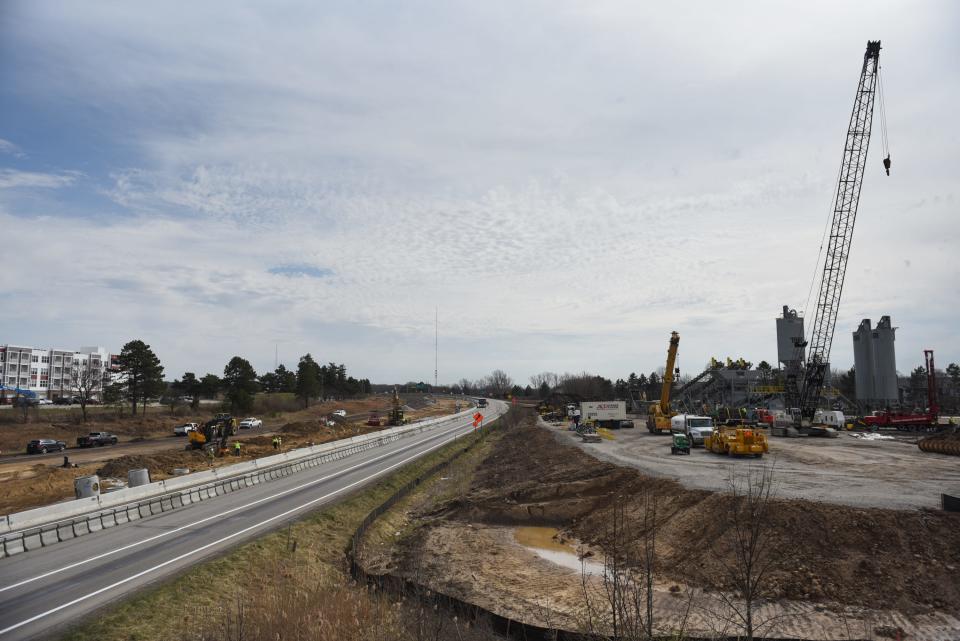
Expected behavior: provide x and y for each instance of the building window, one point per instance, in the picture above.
(56, 370)
(35, 359)
(23, 368)
(33, 372)
(45, 359)
(57, 358)
(43, 383)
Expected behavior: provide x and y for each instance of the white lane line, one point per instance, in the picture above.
(224, 513)
(219, 541)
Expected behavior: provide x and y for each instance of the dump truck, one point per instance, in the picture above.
(736, 440)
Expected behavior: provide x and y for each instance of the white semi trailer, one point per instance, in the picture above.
(609, 414)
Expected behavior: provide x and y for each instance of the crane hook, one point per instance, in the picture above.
(886, 164)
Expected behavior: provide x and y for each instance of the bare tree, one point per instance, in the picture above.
(754, 551)
(499, 382)
(625, 608)
(86, 382)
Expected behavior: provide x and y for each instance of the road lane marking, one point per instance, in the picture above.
(222, 540)
(226, 512)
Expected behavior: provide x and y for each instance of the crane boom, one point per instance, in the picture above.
(668, 374)
(841, 232)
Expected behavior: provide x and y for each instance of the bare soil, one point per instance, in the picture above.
(34, 481)
(877, 564)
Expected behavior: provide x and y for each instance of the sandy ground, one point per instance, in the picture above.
(514, 581)
(843, 470)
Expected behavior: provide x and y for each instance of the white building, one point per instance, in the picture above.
(49, 373)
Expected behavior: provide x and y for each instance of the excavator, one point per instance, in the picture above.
(213, 434)
(395, 415)
(659, 414)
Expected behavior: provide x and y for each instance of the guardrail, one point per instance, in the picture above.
(52, 524)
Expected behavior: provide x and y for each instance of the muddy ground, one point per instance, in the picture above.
(834, 568)
(31, 482)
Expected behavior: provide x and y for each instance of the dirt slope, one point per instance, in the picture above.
(869, 557)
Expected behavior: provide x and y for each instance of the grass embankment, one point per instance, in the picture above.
(292, 583)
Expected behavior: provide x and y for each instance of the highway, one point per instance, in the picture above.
(47, 589)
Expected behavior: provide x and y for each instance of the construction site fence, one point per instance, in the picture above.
(58, 531)
(503, 625)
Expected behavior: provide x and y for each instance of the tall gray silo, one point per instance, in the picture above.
(789, 331)
(884, 362)
(863, 362)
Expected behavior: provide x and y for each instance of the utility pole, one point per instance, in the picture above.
(436, 344)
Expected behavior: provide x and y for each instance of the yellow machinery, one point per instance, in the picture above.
(395, 415)
(735, 440)
(214, 433)
(659, 414)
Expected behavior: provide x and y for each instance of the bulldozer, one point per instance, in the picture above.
(214, 434)
(395, 415)
(736, 440)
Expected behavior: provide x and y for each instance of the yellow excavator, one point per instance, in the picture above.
(395, 415)
(213, 434)
(659, 414)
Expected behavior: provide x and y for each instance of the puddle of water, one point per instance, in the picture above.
(542, 542)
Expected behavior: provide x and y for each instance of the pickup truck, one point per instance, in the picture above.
(95, 439)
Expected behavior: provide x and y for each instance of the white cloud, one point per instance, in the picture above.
(13, 178)
(7, 147)
(567, 181)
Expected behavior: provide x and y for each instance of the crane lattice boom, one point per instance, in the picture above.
(841, 232)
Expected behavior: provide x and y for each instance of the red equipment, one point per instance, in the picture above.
(926, 420)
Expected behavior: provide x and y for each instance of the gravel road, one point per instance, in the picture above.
(844, 470)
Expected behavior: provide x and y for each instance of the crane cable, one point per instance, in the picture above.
(883, 117)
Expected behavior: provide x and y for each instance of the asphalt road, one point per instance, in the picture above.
(45, 590)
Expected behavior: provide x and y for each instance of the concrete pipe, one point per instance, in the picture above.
(138, 477)
(87, 486)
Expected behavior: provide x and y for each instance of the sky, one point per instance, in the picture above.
(561, 183)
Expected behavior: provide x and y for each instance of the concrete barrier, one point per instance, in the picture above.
(22, 531)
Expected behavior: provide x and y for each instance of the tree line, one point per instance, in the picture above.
(140, 377)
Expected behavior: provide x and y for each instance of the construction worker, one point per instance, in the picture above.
(236, 448)
(276, 442)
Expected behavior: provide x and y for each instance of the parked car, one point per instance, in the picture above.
(183, 430)
(250, 423)
(96, 439)
(63, 400)
(341, 413)
(44, 445)
(44, 401)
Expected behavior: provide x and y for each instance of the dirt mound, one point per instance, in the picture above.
(302, 428)
(829, 552)
(160, 465)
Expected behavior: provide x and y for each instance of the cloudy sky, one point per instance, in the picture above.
(566, 181)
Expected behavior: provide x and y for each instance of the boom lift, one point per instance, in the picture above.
(659, 415)
(804, 383)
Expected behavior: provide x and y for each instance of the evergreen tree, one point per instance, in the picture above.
(141, 372)
(240, 384)
(309, 383)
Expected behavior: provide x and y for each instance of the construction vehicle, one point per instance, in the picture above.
(927, 420)
(395, 415)
(805, 378)
(659, 414)
(214, 434)
(681, 444)
(374, 419)
(736, 440)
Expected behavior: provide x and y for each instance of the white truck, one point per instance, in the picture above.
(609, 414)
(697, 428)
